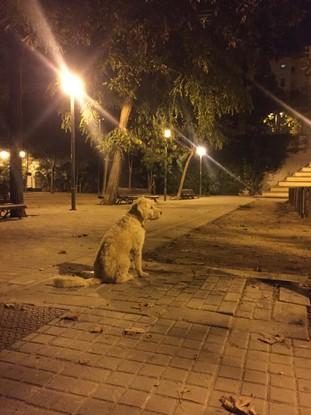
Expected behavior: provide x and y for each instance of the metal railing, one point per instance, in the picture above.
(300, 198)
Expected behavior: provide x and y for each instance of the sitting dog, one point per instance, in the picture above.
(125, 240)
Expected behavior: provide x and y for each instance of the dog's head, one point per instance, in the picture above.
(145, 209)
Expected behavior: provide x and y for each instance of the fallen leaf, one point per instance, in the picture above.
(238, 406)
(70, 316)
(133, 330)
(271, 339)
(83, 362)
(96, 329)
(9, 305)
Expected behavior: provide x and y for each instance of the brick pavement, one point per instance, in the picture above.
(176, 364)
(172, 344)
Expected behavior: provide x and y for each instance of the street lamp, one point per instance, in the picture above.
(201, 151)
(73, 86)
(167, 134)
(4, 155)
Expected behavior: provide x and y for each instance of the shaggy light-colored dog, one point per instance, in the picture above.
(125, 241)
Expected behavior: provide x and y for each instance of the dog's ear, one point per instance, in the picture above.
(136, 211)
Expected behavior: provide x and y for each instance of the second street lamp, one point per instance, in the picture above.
(167, 134)
(201, 151)
(73, 86)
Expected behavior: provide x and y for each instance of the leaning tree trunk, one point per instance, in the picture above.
(105, 165)
(184, 173)
(15, 124)
(114, 176)
(130, 166)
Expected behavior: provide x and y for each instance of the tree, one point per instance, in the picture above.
(185, 56)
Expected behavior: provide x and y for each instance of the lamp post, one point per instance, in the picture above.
(73, 86)
(201, 151)
(167, 134)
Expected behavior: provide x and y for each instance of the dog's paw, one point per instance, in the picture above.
(144, 274)
(124, 278)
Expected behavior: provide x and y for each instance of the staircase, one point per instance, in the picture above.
(301, 178)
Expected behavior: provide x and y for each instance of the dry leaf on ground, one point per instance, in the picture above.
(96, 329)
(271, 339)
(70, 316)
(133, 330)
(238, 406)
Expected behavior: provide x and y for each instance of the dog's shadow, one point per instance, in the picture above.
(72, 268)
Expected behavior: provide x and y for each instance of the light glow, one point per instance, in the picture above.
(22, 154)
(201, 151)
(72, 85)
(4, 155)
(167, 133)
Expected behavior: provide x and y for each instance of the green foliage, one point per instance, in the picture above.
(249, 157)
(282, 123)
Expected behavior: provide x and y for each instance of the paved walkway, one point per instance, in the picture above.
(173, 344)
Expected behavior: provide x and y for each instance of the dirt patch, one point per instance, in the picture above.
(268, 236)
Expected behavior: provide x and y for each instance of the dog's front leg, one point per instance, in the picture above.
(138, 262)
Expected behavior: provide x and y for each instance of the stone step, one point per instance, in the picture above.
(277, 195)
(302, 174)
(294, 184)
(298, 179)
(279, 189)
(305, 170)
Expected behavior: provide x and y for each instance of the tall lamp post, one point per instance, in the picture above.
(201, 151)
(73, 86)
(167, 134)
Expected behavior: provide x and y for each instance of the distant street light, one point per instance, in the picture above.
(4, 155)
(201, 151)
(167, 134)
(73, 86)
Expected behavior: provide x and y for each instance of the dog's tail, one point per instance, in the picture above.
(75, 282)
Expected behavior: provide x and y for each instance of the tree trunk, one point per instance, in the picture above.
(130, 165)
(114, 176)
(184, 173)
(151, 179)
(105, 162)
(15, 123)
(53, 165)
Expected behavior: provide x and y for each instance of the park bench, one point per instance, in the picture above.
(187, 194)
(126, 195)
(6, 207)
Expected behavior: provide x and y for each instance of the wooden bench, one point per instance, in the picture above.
(125, 195)
(187, 194)
(7, 208)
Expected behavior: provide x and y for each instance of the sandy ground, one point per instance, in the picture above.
(264, 236)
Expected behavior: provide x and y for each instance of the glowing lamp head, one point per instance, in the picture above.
(201, 151)
(22, 154)
(71, 84)
(167, 133)
(4, 155)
